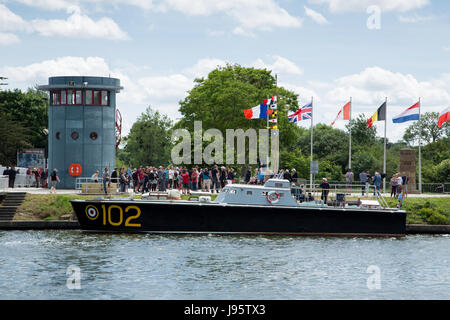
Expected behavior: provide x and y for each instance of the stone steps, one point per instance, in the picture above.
(9, 206)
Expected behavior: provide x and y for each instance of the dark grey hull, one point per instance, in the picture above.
(194, 217)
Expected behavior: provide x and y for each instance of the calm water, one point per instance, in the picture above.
(33, 265)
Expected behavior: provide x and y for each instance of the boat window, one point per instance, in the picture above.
(281, 195)
(232, 191)
(278, 185)
(249, 193)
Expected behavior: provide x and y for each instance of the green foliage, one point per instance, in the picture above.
(295, 160)
(23, 117)
(425, 210)
(30, 109)
(14, 137)
(149, 140)
(219, 100)
(427, 129)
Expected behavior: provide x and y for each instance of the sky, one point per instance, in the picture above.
(330, 50)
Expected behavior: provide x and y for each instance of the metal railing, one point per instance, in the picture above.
(4, 180)
(339, 188)
(88, 185)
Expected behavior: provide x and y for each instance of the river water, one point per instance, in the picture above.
(82, 265)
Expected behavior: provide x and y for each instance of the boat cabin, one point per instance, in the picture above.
(275, 192)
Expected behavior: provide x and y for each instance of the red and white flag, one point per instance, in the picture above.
(444, 117)
(345, 110)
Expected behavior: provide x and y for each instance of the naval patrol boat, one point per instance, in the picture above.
(269, 209)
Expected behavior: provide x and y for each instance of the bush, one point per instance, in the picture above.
(433, 216)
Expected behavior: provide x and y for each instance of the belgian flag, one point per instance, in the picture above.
(377, 116)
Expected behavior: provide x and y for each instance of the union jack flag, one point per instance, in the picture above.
(304, 113)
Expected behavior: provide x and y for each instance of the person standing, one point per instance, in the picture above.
(106, 178)
(377, 183)
(230, 176)
(54, 179)
(325, 190)
(215, 179)
(349, 180)
(405, 180)
(185, 180)
(393, 183)
(363, 179)
(44, 176)
(115, 176)
(223, 177)
(206, 180)
(294, 176)
(194, 179)
(12, 176)
(37, 176)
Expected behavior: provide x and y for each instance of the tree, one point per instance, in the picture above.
(30, 110)
(149, 140)
(219, 100)
(361, 135)
(11, 143)
(426, 128)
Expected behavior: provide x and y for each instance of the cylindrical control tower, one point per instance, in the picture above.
(82, 118)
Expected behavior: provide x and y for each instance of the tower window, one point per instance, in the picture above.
(93, 136)
(75, 135)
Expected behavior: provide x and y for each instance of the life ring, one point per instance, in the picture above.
(273, 197)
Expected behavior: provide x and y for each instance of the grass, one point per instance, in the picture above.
(58, 207)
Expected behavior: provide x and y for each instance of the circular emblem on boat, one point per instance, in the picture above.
(92, 212)
(273, 197)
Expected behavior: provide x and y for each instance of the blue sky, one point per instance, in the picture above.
(320, 48)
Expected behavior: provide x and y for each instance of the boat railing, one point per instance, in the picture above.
(337, 194)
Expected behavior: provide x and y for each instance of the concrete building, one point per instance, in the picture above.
(82, 118)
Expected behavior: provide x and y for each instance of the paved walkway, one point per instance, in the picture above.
(73, 191)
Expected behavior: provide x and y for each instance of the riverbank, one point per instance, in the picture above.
(57, 207)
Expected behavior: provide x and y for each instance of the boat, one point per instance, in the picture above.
(275, 208)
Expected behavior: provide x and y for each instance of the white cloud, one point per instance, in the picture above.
(338, 6)
(250, 14)
(316, 16)
(374, 84)
(9, 21)
(281, 65)
(51, 5)
(415, 18)
(38, 73)
(79, 25)
(204, 66)
(7, 39)
(241, 32)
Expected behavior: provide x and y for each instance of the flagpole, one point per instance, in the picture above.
(350, 141)
(420, 151)
(276, 131)
(384, 162)
(310, 172)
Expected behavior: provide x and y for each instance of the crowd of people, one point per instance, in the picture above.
(35, 178)
(151, 179)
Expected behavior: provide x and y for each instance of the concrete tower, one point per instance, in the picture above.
(82, 117)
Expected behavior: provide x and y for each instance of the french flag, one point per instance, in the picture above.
(261, 111)
(410, 114)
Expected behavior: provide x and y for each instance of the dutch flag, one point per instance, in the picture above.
(410, 114)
